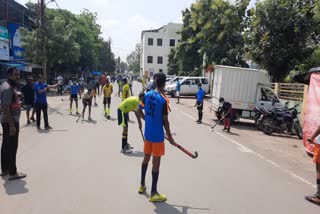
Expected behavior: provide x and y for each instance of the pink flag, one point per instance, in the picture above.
(312, 111)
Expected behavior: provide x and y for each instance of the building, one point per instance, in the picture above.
(156, 46)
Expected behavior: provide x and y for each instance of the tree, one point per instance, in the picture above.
(106, 59)
(123, 67)
(281, 35)
(173, 66)
(133, 59)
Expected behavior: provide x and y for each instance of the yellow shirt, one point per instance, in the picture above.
(125, 91)
(107, 90)
(129, 104)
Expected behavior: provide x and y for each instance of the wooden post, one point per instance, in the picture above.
(305, 96)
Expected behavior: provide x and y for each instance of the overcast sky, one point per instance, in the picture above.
(123, 20)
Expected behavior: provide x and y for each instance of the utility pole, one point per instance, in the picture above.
(43, 40)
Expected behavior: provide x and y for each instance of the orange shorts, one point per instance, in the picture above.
(316, 153)
(154, 149)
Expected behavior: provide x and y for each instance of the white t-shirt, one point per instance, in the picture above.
(60, 79)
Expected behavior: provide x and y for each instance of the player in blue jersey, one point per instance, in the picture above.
(156, 109)
(74, 91)
(199, 103)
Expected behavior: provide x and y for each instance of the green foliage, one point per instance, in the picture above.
(281, 35)
(73, 42)
(213, 27)
(133, 59)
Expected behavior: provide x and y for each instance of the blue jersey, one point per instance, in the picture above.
(75, 89)
(178, 86)
(200, 95)
(40, 97)
(155, 107)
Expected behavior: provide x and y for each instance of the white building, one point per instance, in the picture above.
(156, 46)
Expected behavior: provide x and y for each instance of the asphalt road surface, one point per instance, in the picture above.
(77, 168)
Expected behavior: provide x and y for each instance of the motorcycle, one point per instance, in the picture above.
(282, 121)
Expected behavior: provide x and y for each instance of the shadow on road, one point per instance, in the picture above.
(136, 154)
(15, 187)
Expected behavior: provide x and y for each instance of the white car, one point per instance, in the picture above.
(189, 86)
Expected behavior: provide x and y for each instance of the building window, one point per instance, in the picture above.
(159, 42)
(161, 70)
(160, 59)
(150, 59)
(150, 41)
(172, 42)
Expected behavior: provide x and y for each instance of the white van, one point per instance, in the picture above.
(189, 86)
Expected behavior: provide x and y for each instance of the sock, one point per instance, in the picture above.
(155, 176)
(109, 111)
(144, 168)
(105, 111)
(77, 110)
(124, 141)
(318, 188)
(70, 110)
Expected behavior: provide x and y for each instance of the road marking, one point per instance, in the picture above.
(245, 149)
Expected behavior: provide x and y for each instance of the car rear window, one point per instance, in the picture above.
(204, 81)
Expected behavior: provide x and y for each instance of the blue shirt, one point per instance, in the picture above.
(40, 97)
(200, 95)
(178, 86)
(155, 107)
(75, 89)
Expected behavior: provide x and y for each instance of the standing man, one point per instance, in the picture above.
(226, 113)
(119, 82)
(107, 91)
(156, 108)
(130, 85)
(74, 91)
(41, 101)
(178, 90)
(199, 104)
(10, 117)
(126, 106)
(92, 86)
(87, 101)
(316, 159)
(125, 89)
(29, 96)
(60, 84)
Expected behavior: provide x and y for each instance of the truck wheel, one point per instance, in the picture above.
(266, 123)
(298, 130)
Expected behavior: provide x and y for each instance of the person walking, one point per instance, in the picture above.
(41, 103)
(156, 108)
(226, 113)
(74, 91)
(128, 105)
(29, 98)
(199, 103)
(178, 90)
(60, 84)
(107, 91)
(316, 159)
(87, 102)
(10, 117)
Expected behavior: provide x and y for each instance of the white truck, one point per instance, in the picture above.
(244, 88)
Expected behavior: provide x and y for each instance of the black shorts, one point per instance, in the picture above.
(122, 118)
(87, 102)
(200, 106)
(74, 97)
(107, 100)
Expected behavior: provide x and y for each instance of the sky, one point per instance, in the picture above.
(124, 20)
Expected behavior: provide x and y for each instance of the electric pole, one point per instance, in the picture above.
(43, 40)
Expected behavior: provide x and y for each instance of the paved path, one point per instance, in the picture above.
(78, 168)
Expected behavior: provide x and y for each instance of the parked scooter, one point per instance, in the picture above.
(282, 121)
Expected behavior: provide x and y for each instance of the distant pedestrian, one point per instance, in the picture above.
(178, 90)
(316, 159)
(226, 113)
(130, 85)
(92, 85)
(60, 84)
(87, 102)
(119, 82)
(107, 91)
(41, 102)
(199, 103)
(125, 89)
(74, 92)
(10, 117)
(29, 98)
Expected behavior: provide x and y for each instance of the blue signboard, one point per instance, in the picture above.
(17, 52)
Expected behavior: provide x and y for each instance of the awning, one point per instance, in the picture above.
(305, 77)
(19, 65)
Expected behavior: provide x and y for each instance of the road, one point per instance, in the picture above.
(77, 168)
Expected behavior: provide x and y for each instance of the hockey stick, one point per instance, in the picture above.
(79, 116)
(194, 156)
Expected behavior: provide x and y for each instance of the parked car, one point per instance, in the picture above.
(189, 86)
